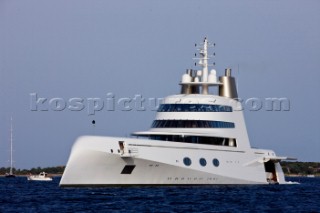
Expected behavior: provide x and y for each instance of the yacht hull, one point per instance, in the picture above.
(109, 161)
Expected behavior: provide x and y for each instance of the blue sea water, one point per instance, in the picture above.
(20, 195)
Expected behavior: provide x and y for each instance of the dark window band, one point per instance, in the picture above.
(193, 108)
(191, 124)
(196, 139)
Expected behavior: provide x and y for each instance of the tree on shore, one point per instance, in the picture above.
(50, 170)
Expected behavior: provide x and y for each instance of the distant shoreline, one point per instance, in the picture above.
(50, 175)
(290, 169)
(297, 175)
(286, 175)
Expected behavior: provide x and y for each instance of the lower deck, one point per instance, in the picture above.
(114, 161)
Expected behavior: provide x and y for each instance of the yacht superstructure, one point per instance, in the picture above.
(196, 138)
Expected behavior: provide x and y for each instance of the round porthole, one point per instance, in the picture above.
(215, 162)
(203, 162)
(187, 161)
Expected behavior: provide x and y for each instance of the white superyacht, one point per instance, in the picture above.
(196, 138)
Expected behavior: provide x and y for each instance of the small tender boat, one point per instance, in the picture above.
(311, 176)
(41, 177)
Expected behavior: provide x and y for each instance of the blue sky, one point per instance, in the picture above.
(87, 49)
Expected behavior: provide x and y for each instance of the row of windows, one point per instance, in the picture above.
(196, 139)
(191, 124)
(202, 161)
(193, 108)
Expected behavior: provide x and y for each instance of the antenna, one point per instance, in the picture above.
(203, 61)
(11, 140)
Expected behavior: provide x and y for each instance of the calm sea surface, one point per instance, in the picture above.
(20, 195)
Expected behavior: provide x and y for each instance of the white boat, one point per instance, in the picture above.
(196, 138)
(41, 177)
(311, 176)
(10, 174)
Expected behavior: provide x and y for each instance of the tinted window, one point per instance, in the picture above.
(193, 108)
(215, 162)
(187, 161)
(203, 162)
(195, 139)
(191, 124)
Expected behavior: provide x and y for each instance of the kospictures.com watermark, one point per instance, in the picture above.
(139, 103)
(92, 105)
